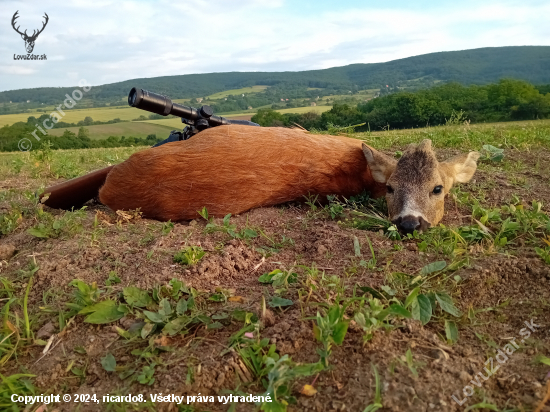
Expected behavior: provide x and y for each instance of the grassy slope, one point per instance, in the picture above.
(244, 90)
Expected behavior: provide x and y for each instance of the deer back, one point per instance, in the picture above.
(231, 169)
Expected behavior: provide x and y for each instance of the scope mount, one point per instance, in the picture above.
(195, 126)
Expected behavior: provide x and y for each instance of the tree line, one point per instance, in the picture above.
(449, 103)
(11, 135)
(503, 101)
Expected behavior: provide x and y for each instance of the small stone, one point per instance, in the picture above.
(464, 376)
(6, 251)
(46, 331)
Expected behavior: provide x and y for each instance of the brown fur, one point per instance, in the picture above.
(231, 169)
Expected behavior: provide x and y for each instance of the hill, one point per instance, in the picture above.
(476, 66)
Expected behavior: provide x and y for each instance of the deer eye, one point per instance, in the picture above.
(437, 190)
(389, 189)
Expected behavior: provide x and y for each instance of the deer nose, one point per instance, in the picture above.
(409, 223)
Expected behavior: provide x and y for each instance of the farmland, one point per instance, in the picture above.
(135, 129)
(102, 114)
(244, 90)
(130, 113)
(325, 298)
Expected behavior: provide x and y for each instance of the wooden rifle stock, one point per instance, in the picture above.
(77, 191)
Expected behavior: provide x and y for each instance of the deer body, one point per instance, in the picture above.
(231, 169)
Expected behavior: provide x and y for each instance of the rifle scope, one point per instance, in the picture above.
(159, 104)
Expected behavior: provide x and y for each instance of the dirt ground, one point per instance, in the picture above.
(512, 287)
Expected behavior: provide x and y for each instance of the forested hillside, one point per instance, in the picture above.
(477, 66)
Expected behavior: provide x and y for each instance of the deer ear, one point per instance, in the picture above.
(462, 167)
(380, 165)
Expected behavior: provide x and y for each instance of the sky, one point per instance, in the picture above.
(104, 41)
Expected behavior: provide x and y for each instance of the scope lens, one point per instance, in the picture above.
(133, 97)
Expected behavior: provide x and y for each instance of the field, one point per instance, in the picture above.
(129, 113)
(135, 129)
(102, 114)
(324, 304)
(244, 90)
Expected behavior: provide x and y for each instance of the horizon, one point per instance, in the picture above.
(259, 71)
(83, 41)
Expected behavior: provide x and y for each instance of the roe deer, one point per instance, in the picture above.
(231, 169)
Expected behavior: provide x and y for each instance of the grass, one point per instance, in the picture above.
(520, 135)
(134, 129)
(329, 302)
(244, 90)
(64, 163)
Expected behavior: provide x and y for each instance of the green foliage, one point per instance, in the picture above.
(10, 135)
(106, 311)
(330, 329)
(227, 227)
(19, 384)
(282, 372)
(9, 221)
(191, 255)
(279, 278)
(452, 104)
(67, 224)
(167, 227)
(377, 404)
(492, 154)
(544, 254)
(136, 297)
(451, 331)
(108, 362)
(254, 352)
(449, 104)
(497, 228)
(376, 314)
(279, 302)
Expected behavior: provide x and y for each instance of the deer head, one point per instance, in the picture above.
(29, 40)
(416, 185)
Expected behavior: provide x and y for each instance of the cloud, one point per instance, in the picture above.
(106, 41)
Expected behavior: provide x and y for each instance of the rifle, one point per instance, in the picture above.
(75, 192)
